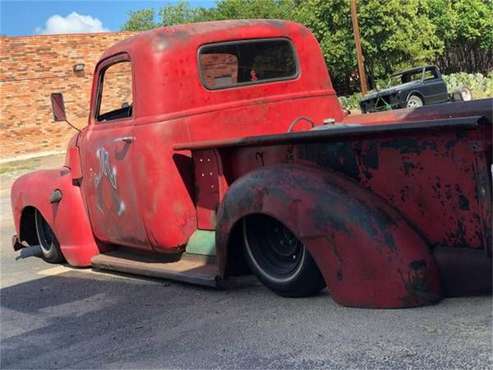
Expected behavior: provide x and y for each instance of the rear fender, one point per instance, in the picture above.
(67, 217)
(368, 254)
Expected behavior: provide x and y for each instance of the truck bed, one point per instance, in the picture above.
(432, 164)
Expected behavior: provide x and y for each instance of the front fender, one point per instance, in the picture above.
(68, 217)
(368, 254)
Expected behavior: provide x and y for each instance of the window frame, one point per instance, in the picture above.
(101, 70)
(434, 71)
(248, 83)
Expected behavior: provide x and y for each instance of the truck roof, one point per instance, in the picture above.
(173, 37)
(166, 74)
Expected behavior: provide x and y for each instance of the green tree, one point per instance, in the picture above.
(395, 34)
(466, 28)
(330, 21)
(251, 9)
(140, 20)
(182, 12)
(171, 14)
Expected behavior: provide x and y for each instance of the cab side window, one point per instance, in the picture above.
(115, 100)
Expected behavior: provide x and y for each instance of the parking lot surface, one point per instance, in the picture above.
(55, 316)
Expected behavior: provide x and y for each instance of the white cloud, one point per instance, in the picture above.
(72, 23)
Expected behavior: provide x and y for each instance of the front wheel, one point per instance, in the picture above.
(414, 101)
(279, 259)
(47, 240)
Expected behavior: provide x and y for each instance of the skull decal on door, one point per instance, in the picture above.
(106, 170)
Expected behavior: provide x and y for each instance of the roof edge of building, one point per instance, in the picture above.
(75, 34)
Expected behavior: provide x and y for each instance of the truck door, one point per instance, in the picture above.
(107, 148)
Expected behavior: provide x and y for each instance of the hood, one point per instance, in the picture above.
(389, 90)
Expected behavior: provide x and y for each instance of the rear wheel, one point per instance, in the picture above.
(414, 101)
(279, 259)
(47, 240)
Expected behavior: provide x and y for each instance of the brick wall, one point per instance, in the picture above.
(33, 67)
(117, 87)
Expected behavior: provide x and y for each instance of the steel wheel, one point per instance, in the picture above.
(47, 240)
(279, 259)
(274, 249)
(414, 101)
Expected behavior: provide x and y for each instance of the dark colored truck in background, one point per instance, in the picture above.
(412, 88)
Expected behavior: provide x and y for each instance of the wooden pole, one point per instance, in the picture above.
(359, 52)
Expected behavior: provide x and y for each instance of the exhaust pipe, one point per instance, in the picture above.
(31, 251)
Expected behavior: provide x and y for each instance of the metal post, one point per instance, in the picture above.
(359, 53)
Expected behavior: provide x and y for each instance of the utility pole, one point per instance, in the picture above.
(359, 53)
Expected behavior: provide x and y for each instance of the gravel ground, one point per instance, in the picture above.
(58, 317)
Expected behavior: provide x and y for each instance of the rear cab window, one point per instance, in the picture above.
(239, 63)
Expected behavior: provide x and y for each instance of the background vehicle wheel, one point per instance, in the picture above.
(279, 259)
(414, 101)
(47, 240)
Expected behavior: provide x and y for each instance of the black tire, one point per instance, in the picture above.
(279, 259)
(47, 240)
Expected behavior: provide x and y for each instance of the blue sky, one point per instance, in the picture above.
(21, 17)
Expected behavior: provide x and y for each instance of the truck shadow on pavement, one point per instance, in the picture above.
(79, 319)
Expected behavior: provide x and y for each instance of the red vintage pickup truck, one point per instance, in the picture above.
(220, 149)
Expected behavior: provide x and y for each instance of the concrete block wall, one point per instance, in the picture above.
(33, 67)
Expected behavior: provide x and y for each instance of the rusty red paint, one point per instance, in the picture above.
(365, 250)
(210, 187)
(74, 164)
(422, 175)
(149, 203)
(364, 199)
(68, 217)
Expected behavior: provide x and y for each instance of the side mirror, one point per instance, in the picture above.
(58, 107)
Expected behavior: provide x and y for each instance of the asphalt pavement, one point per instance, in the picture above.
(54, 316)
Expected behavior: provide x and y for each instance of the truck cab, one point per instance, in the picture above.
(181, 84)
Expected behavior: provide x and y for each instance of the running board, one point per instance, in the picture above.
(191, 269)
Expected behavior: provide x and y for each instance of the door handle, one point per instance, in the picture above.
(125, 139)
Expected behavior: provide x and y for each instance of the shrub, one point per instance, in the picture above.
(481, 86)
(350, 102)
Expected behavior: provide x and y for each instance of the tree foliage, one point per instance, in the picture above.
(251, 9)
(182, 12)
(466, 29)
(395, 34)
(140, 20)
